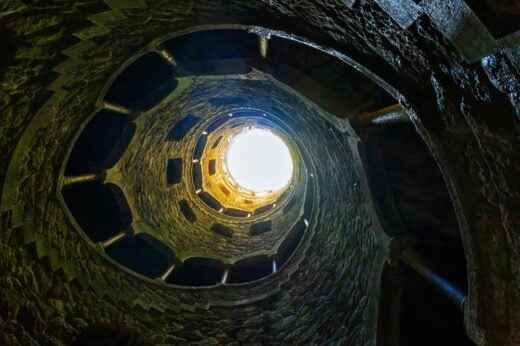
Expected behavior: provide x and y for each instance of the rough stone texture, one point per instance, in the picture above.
(143, 169)
(330, 314)
(404, 12)
(91, 292)
(55, 60)
(460, 25)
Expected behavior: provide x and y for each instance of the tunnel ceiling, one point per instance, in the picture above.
(112, 213)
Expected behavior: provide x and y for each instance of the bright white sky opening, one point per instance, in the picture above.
(259, 160)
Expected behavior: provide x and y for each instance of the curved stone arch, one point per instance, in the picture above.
(461, 206)
(41, 117)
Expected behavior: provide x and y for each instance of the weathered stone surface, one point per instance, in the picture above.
(404, 12)
(460, 25)
(467, 114)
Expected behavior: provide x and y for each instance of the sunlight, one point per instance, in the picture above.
(258, 160)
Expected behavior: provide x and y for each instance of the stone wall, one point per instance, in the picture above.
(463, 99)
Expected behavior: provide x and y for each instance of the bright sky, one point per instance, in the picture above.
(259, 160)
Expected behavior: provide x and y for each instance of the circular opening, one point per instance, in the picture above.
(259, 161)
